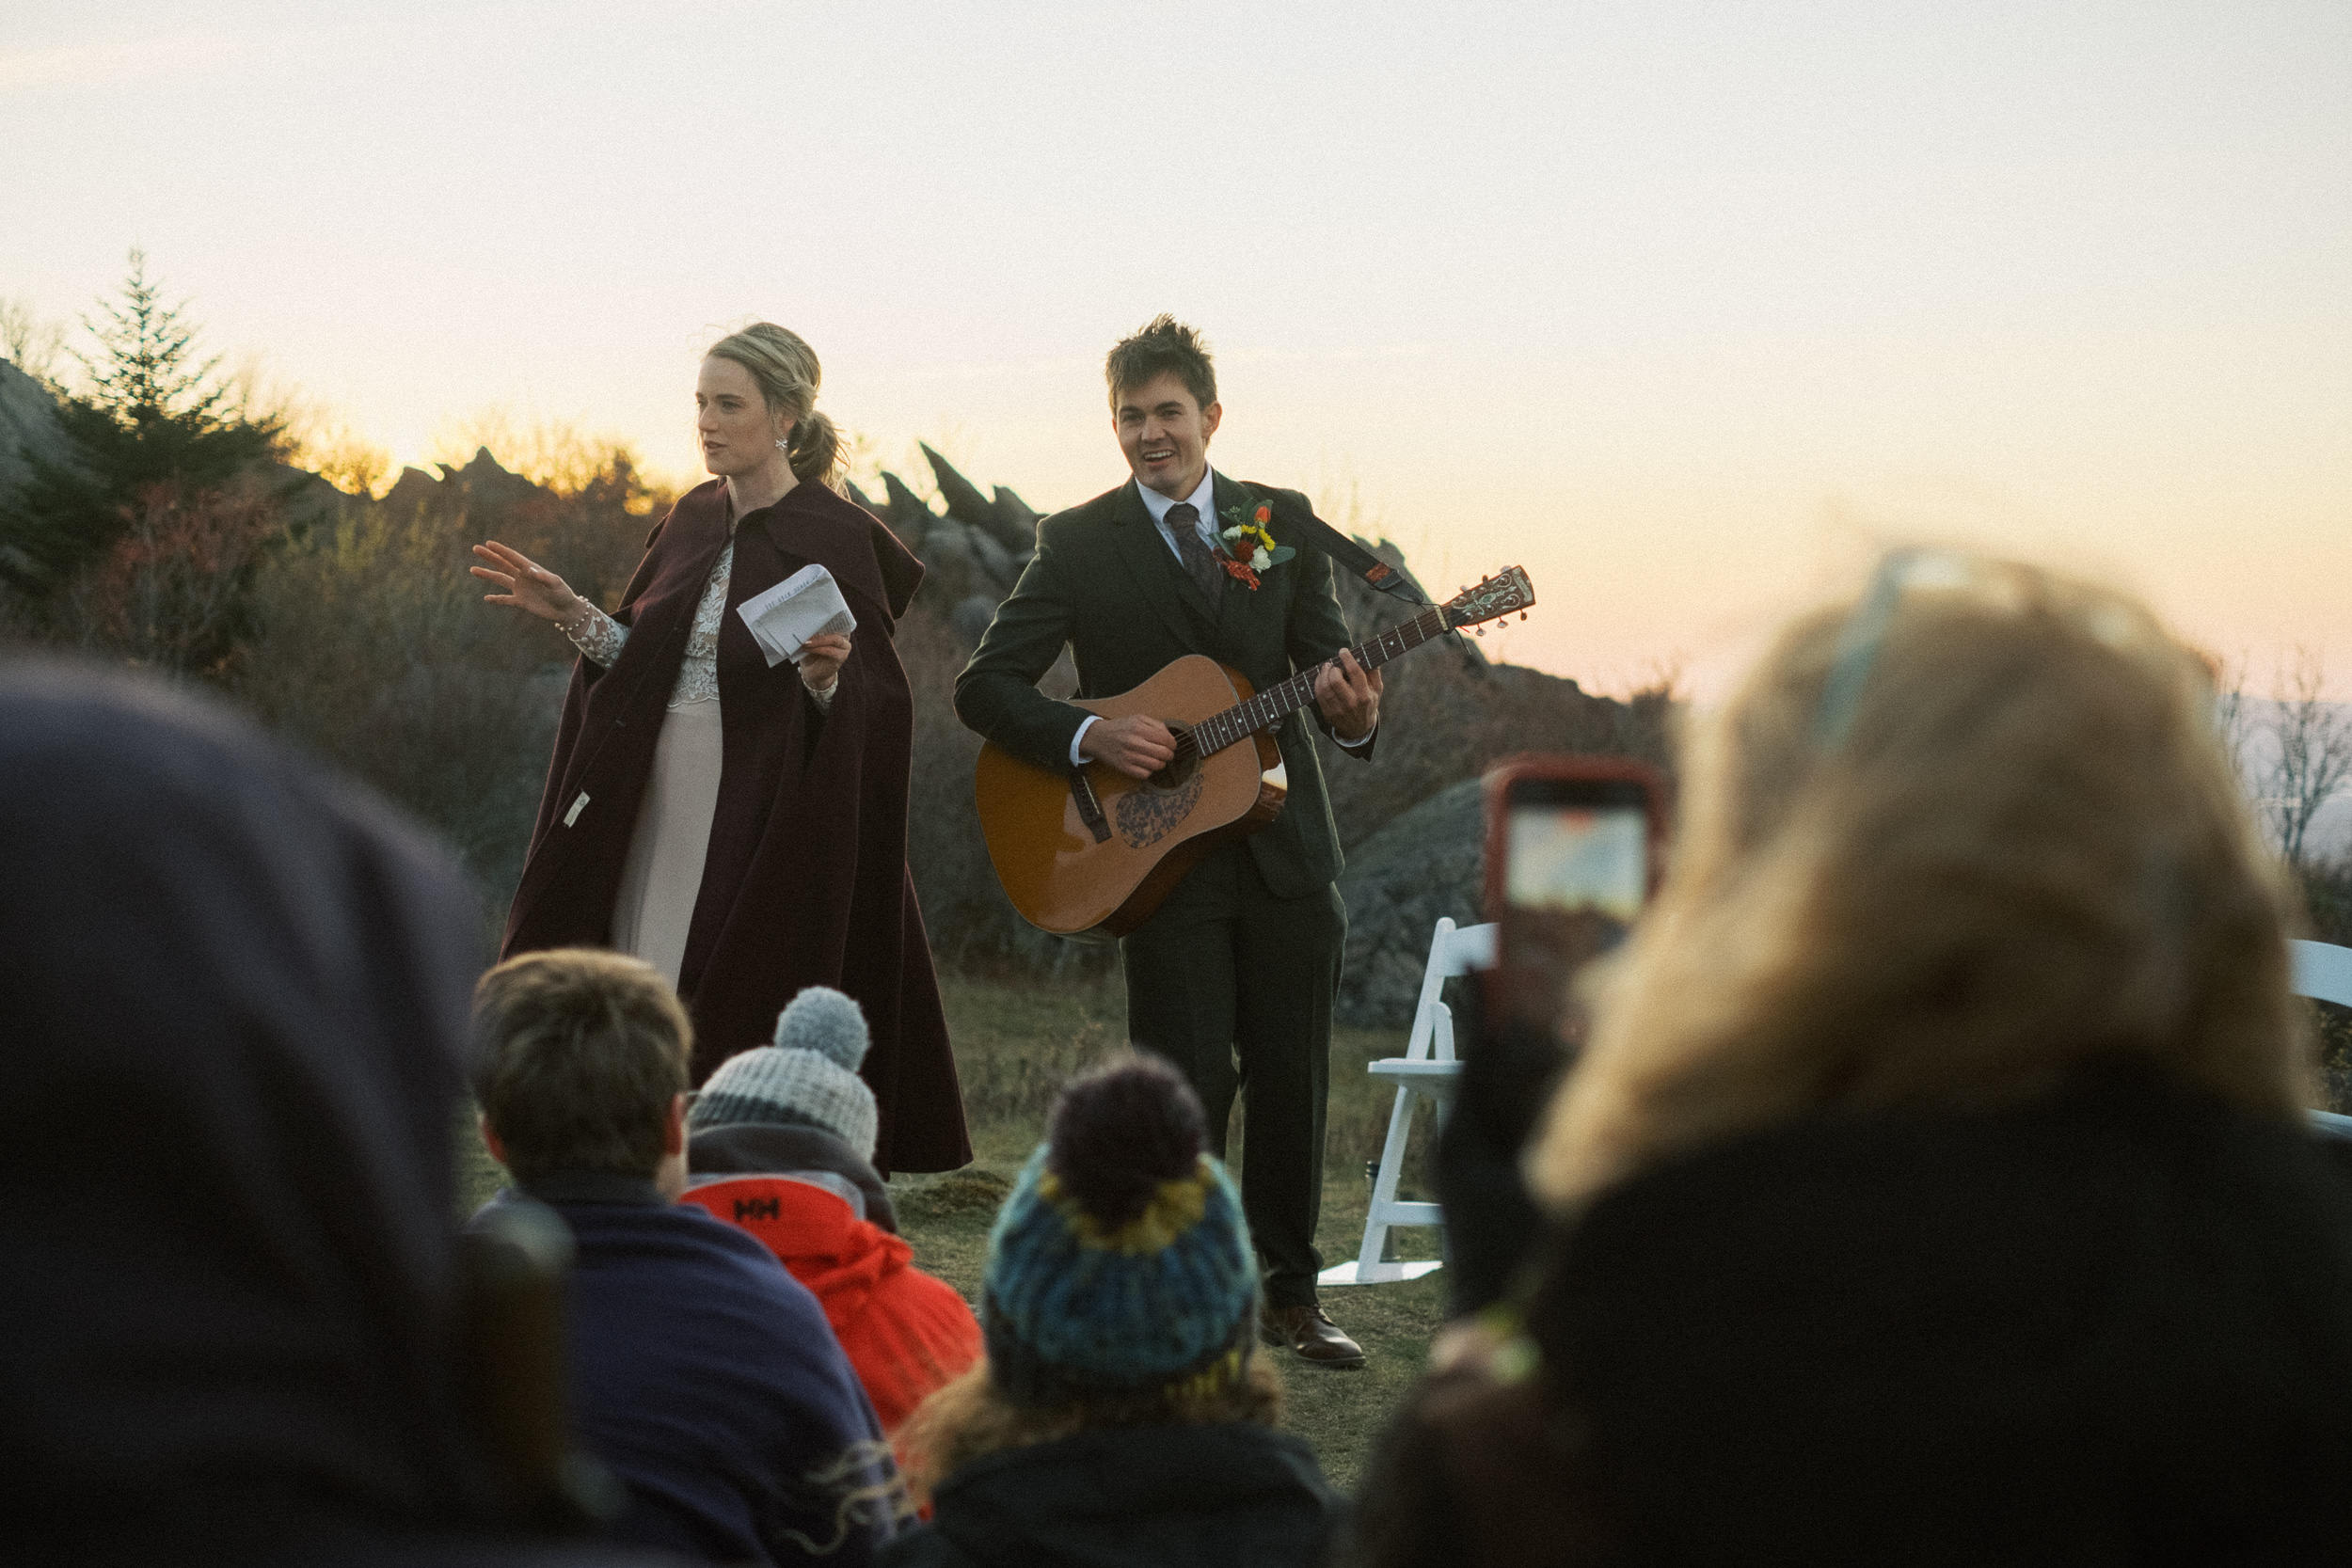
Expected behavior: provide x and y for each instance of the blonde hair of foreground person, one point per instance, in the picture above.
(971, 1417)
(2005, 847)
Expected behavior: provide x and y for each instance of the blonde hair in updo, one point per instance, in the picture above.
(786, 368)
(2017, 853)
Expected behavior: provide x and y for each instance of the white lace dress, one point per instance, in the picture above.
(663, 875)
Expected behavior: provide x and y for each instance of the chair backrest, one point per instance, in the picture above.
(2322, 971)
(1453, 950)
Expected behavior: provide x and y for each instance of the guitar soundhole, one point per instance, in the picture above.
(1181, 772)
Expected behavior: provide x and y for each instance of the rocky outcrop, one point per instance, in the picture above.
(482, 482)
(27, 419)
(973, 553)
(1012, 526)
(1426, 864)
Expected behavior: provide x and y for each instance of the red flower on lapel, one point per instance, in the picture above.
(1247, 547)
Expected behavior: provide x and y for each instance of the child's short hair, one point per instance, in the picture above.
(578, 1054)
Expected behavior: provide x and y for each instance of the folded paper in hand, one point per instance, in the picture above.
(804, 605)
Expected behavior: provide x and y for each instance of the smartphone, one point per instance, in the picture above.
(1573, 853)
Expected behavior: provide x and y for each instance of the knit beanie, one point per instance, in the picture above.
(1121, 1264)
(808, 1078)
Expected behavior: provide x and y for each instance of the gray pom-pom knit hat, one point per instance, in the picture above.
(808, 1078)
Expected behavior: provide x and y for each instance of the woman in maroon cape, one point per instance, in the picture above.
(743, 826)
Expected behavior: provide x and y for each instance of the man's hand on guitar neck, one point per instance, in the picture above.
(1137, 745)
(1348, 697)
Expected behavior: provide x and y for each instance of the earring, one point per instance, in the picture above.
(784, 446)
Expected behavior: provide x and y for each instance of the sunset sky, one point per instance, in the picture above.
(1684, 307)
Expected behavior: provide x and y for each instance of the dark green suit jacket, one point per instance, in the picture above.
(1105, 583)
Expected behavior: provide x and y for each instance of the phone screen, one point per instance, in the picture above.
(1575, 875)
(1578, 858)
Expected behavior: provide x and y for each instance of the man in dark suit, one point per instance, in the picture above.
(1234, 977)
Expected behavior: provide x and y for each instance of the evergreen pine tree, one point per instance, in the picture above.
(152, 415)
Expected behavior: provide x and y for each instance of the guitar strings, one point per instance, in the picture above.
(1289, 696)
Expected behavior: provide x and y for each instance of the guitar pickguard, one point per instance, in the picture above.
(1146, 816)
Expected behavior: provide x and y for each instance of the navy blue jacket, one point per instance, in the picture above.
(1215, 1495)
(708, 1379)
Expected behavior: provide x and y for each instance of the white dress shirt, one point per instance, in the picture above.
(1203, 502)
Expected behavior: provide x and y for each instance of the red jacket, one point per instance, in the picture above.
(905, 1332)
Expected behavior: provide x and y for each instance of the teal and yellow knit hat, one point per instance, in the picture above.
(1121, 1264)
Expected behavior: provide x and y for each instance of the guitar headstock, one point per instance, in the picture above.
(1497, 596)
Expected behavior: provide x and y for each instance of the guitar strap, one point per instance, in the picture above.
(1348, 553)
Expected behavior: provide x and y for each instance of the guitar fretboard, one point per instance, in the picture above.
(1278, 701)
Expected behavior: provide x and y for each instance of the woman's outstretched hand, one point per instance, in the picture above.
(821, 659)
(525, 584)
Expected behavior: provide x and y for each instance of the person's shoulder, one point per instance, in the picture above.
(704, 499)
(682, 1242)
(1290, 511)
(1079, 525)
(924, 1547)
(822, 513)
(823, 501)
(925, 1296)
(704, 1234)
(1232, 1448)
(853, 543)
(1283, 498)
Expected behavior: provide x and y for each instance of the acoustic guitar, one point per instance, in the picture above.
(1094, 853)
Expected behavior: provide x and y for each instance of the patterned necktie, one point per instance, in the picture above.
(1184, 521)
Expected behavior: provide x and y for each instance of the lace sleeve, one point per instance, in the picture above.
(824, 699)
(597, 635)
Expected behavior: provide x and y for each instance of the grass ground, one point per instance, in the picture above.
(1015, 1044)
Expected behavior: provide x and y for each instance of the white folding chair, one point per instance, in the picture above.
(1427, 1068)
(2323, 972)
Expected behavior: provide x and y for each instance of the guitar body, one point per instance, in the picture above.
(1094, 854)
(1066, 879)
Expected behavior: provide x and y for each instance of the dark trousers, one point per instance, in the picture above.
(1235, 986)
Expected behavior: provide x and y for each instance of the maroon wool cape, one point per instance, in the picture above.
(807, 882)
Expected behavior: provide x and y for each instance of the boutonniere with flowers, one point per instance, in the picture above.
(1245, 548)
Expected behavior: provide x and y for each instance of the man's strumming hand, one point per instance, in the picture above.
(1137, 745)
(1348, 697)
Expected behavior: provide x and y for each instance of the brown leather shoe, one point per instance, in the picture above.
(1315, 1336)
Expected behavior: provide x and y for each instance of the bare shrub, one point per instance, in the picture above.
(376, 658)
(170, 593)
(376, 651)
(2312, 761)
(2292, 752)
(32, 343)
